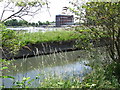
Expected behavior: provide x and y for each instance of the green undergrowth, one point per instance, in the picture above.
(97, 79)
(49, 36)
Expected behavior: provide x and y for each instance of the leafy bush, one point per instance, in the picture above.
(100, 80)
(10, 40)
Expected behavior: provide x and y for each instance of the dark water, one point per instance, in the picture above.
(63, 65)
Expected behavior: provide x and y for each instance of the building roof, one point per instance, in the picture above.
(64, 15)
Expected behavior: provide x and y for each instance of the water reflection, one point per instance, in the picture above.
(64, 64)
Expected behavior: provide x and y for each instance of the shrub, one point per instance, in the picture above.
(10, 41)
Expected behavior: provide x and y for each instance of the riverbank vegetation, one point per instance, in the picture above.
(99, 78)
(21, 38)
(10, 37)
(48, 36)
(102, 20)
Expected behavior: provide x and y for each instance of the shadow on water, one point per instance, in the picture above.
(64, 65)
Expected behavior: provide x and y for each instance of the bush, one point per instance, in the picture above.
(10, 40)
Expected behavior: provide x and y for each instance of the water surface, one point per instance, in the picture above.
(64, 65)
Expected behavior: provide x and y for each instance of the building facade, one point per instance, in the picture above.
(64, 20)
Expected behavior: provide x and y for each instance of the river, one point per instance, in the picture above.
(36, 29)
(63, 65)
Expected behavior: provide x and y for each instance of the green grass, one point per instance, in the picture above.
(49, 36)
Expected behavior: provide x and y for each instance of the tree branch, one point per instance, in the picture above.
(13, 14)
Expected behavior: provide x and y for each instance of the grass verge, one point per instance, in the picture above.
(49, 36)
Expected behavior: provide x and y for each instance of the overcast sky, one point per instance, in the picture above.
(56, 7)
(44, 15)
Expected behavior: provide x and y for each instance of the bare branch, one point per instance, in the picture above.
(2, 15)
(4, 10)
(23, 8)
(13, 14)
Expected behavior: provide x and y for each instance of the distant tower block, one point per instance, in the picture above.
(64, 20)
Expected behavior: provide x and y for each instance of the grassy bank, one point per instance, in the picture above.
(59, 35)
(49, 36)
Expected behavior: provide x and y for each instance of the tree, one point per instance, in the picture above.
(107, 16)
(76, 8)
(20, 8)
(12, 22)
(15, 22)
(22, 23)
(40, 23)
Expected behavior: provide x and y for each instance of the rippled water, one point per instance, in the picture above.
(63, 65)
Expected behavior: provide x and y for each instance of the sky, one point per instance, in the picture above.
(56, 7)
(44, 15)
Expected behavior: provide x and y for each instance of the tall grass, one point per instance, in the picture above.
(49, 36)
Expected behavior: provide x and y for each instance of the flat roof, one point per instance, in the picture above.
(64, 15)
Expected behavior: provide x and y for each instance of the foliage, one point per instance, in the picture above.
(58, 83)
(113, 69)
(10, 41)
(103, 17)
(3, 64)
(107, 16)
(100, 79)
(76, 8)
(22, 84)
(15, 22)
(25, 83)
(91, 37)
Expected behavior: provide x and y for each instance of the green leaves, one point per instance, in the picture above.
(7, 77)
(2, 68)
(25, 79)
(10, 40)
(32, 3)
(21, 4)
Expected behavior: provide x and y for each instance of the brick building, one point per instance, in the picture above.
(64, 20)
